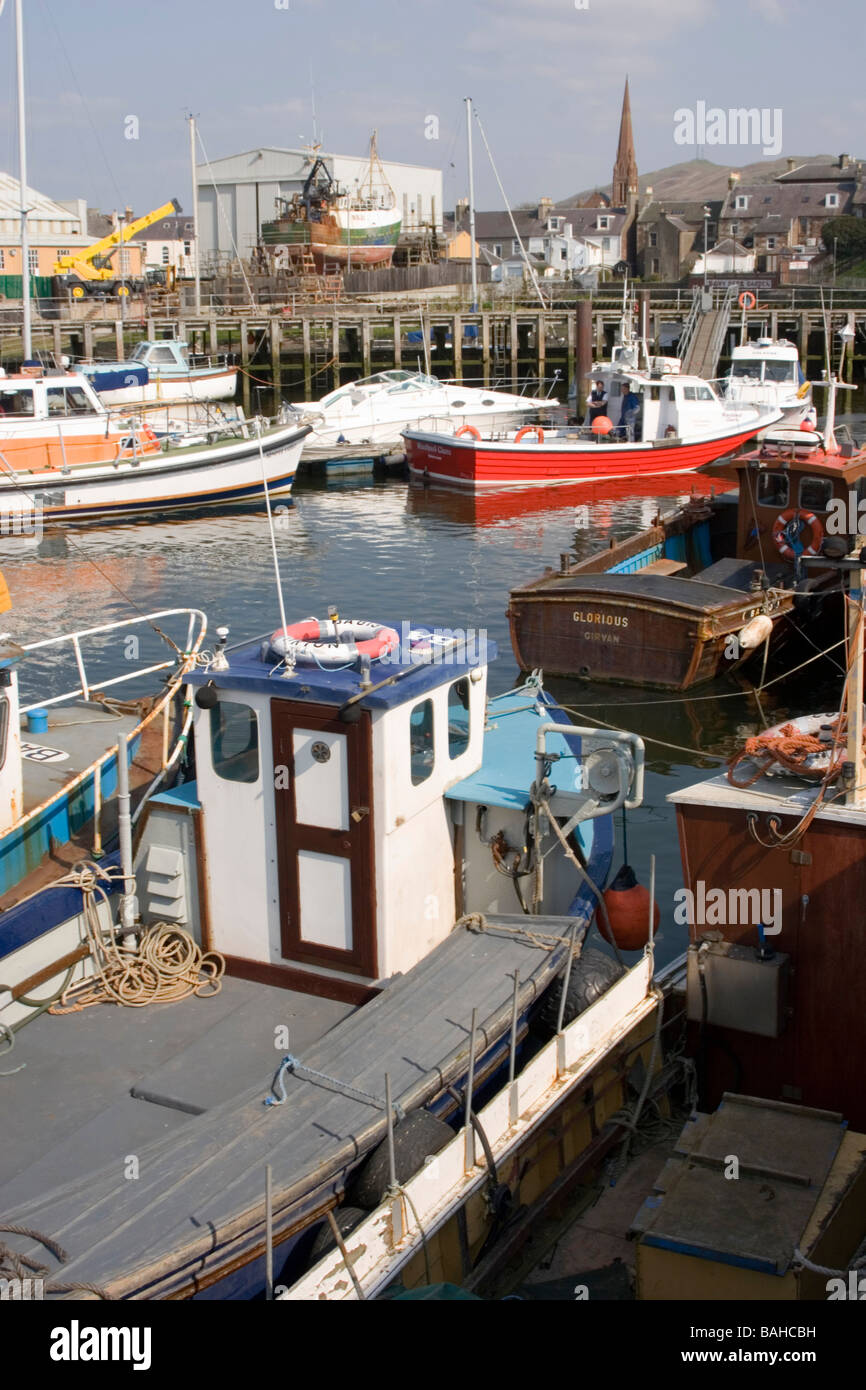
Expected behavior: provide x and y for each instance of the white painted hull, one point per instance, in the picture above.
(221, 474)
(388, 433)
(206, 386)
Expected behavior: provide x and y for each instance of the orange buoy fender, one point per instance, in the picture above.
(467, 429)
(601, 424)
(530, 429)
(747, 300)
(627, 903)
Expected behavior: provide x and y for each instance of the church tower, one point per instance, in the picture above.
(625, 169)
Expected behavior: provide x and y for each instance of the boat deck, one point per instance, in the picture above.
(672, 589)
(182, 1088)
(76, 736)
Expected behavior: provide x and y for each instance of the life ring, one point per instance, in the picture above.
(328, 643)
(530, 429)
(747, 300)
(467, 429)
(783, 537)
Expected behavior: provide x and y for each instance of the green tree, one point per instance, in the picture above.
(849, 233)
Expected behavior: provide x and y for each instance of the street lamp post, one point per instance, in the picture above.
(706, 225)
(835, 240)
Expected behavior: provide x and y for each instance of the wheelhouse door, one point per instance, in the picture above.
(324, 822)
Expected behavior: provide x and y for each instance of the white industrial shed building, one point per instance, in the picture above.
(237, 194)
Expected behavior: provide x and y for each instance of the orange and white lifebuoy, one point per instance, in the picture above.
(747, 300)
(467, 429)
(333, 642)
(781, 537)
(530, 429)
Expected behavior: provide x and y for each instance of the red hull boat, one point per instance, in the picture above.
(672, 423)
(478, 463)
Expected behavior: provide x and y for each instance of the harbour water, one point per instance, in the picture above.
(381, 548)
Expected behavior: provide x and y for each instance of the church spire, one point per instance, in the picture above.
(625, 168)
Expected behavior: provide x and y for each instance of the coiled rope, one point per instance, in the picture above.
(167, 963)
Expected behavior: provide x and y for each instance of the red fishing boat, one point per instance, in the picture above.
(670, 424)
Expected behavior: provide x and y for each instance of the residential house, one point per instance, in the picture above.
(170, 244)
(669, 234)
(790, 211)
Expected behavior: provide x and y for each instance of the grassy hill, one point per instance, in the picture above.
(696, 180)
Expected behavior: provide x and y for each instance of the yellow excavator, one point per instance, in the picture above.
(90, 271)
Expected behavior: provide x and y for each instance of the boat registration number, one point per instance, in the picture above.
(38, 753)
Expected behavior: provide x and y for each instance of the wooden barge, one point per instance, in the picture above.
(701, 591)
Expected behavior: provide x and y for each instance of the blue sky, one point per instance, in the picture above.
(546, 77)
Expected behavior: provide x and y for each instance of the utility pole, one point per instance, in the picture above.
(195, 248)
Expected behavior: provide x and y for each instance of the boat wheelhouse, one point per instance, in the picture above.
(54, 420)
(767, 373)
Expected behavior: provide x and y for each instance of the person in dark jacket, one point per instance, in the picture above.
(629, 413)
(598, 401)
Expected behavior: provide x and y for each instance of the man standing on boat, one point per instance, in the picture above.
(629, 411)
(598, 402)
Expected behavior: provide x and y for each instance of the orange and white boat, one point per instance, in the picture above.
(55, 420)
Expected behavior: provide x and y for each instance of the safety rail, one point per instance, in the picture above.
(192, 648)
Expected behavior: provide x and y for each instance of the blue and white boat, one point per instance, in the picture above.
(161, 372)
(397, 874)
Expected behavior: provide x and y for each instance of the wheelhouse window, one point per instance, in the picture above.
(780, 371)
(772, 490)
(458, 717)
(697, 393)
(69, 400)
(815, 494)
(16, 401)
(234, 741)
(161, 357)
(421, 754)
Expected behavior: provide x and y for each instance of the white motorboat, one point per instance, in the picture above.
(376, 409)
(767, 373)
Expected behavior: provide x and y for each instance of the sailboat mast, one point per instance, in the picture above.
(471, 205)
(195, 245)
(27, 331)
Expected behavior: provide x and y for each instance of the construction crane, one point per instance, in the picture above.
(90, 270)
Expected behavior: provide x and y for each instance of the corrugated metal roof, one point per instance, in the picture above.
(39, 205)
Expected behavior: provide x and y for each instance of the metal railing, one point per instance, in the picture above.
(74, 639)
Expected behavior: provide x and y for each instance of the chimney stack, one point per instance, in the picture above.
(733, 179)
(791, 163)
(545, 208)
(843, 160)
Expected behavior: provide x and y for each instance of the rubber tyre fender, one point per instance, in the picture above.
(347, 1218)
(418, 1136)
(592, 974)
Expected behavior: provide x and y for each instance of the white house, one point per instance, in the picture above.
(727, 257)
